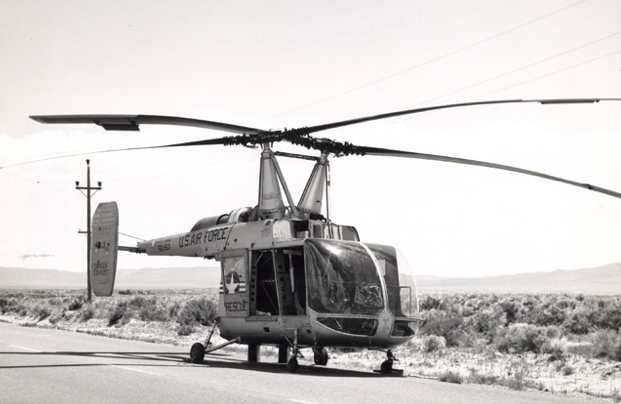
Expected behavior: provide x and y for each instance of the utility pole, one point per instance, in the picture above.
(88, 195)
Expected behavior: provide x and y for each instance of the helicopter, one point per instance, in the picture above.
(290, 276)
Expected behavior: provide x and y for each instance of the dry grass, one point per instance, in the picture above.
(479, 339)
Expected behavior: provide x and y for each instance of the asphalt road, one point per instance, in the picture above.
(49, 366)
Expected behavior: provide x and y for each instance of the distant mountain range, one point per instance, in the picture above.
(600, 280)
(147, 278)
(605, 280)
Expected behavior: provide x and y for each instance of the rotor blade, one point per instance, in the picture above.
(206, 142)
(374, 151)
(133, 122)
(319, 128)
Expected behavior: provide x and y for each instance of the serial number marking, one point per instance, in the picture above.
(163, 247)
(100, 269)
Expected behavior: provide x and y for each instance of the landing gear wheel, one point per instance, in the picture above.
(292, 365)
(197, 353)
(386, 366)
(321, 356)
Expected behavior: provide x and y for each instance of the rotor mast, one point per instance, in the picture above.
(312, 197)
(271, 205)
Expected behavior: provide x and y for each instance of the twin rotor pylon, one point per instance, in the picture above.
(271, 204)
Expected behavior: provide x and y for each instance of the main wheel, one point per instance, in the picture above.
(197, 353)
(292, 365)
(321, 356)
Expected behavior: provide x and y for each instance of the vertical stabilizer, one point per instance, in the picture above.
(104, 248)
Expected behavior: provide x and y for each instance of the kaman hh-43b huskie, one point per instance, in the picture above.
(290, 276)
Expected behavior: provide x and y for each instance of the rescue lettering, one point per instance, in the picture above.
(236, 306)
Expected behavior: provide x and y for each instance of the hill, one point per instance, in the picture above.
(600, 280)
(147, 278)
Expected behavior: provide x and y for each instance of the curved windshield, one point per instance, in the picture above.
(400, 284)
(341, 278)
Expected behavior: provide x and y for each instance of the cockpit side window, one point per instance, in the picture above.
(400, 285)
(387, 259)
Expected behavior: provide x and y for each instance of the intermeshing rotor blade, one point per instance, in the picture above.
(206, 142)
(319, 128)
(133, 122)
(375, 151)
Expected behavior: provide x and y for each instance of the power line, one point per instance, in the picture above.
(128, 235)
(409, 69)
(554, 72)
(525, 67)
(508, 87)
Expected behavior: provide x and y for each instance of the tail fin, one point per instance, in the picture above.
(104, 248)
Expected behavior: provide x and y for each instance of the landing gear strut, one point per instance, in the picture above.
(253, 352)
(283, 353)
(199, 349)
(292, 363)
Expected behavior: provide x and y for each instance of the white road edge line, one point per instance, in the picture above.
(24, 348)
(136, 370)
(300, 401)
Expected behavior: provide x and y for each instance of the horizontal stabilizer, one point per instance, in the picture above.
(132, 249)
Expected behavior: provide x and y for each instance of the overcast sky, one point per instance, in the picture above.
(275, 64)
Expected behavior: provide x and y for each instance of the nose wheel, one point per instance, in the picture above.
(387, 366)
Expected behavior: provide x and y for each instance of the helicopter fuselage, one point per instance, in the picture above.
(305, 279)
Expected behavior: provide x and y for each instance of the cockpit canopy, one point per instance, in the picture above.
(344, 277)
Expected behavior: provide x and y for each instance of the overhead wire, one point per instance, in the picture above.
(526, 67)
(443, 56)
(130, 236)
(552, 73)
